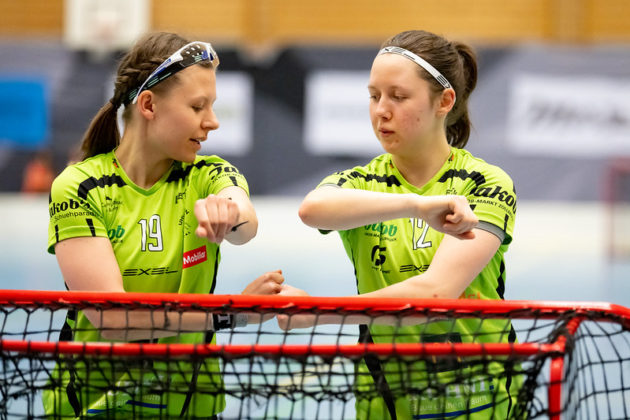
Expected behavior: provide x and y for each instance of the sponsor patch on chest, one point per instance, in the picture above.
(195, 256)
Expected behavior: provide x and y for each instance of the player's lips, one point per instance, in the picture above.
(385, 132)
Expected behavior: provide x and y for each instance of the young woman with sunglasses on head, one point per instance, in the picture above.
(392, 216)
(144, 213)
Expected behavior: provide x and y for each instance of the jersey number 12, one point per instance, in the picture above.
(419, 230)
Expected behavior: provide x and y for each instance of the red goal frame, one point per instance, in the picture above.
(556, 349)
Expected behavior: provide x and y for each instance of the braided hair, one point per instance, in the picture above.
(147, 54)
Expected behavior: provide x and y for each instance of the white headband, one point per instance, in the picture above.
(419, 61)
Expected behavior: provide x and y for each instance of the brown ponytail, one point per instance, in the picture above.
(102, 135)
(457, 62)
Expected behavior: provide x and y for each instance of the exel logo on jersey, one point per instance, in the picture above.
(407, 268)
(147, 272)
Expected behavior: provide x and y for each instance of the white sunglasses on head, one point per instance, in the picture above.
(192, 53)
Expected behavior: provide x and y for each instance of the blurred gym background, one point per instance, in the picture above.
(551, 107)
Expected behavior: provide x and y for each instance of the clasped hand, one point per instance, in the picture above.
(450, 214)
(216, 217)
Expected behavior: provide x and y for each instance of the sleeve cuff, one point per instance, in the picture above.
(495, 230)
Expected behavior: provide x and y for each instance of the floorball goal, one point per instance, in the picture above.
(359, 358)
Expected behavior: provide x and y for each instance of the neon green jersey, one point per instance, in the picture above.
(152, 233)
(392, 251)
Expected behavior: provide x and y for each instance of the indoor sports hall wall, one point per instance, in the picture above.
(555, 116)
(543, 66)
(287, 22)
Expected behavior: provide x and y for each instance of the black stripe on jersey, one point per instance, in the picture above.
(67, 332)
(181, 174)
(216, 269)
(192, 387)
(56, 233)
(505, 222)
(389, 180)
(91, 225)
(509, 366)
(373, 363)
(105, 181)
(71, 393)
(463, 174)
(501, 281)
(377, 372)
(208, 336)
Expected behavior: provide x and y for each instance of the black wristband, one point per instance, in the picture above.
(222, 321)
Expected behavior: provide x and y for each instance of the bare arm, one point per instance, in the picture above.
(89, 264)
(454, 266)
(335, 208)
(228, 215)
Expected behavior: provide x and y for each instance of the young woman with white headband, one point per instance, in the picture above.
(393, 213)
(144, 213)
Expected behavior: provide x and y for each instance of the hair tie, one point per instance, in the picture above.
(113, 102)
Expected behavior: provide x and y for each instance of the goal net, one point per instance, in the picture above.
(370, 358)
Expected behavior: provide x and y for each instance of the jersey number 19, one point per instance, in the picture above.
(151, 233)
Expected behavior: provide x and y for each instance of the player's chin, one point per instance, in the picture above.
(188, 159)
(389, 145)
(189, 153)
(187, 156)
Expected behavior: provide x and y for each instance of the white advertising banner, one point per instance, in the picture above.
(569, 116)
(234, 109)
(336, 114)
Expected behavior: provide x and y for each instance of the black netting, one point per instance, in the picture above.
(465, 363)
